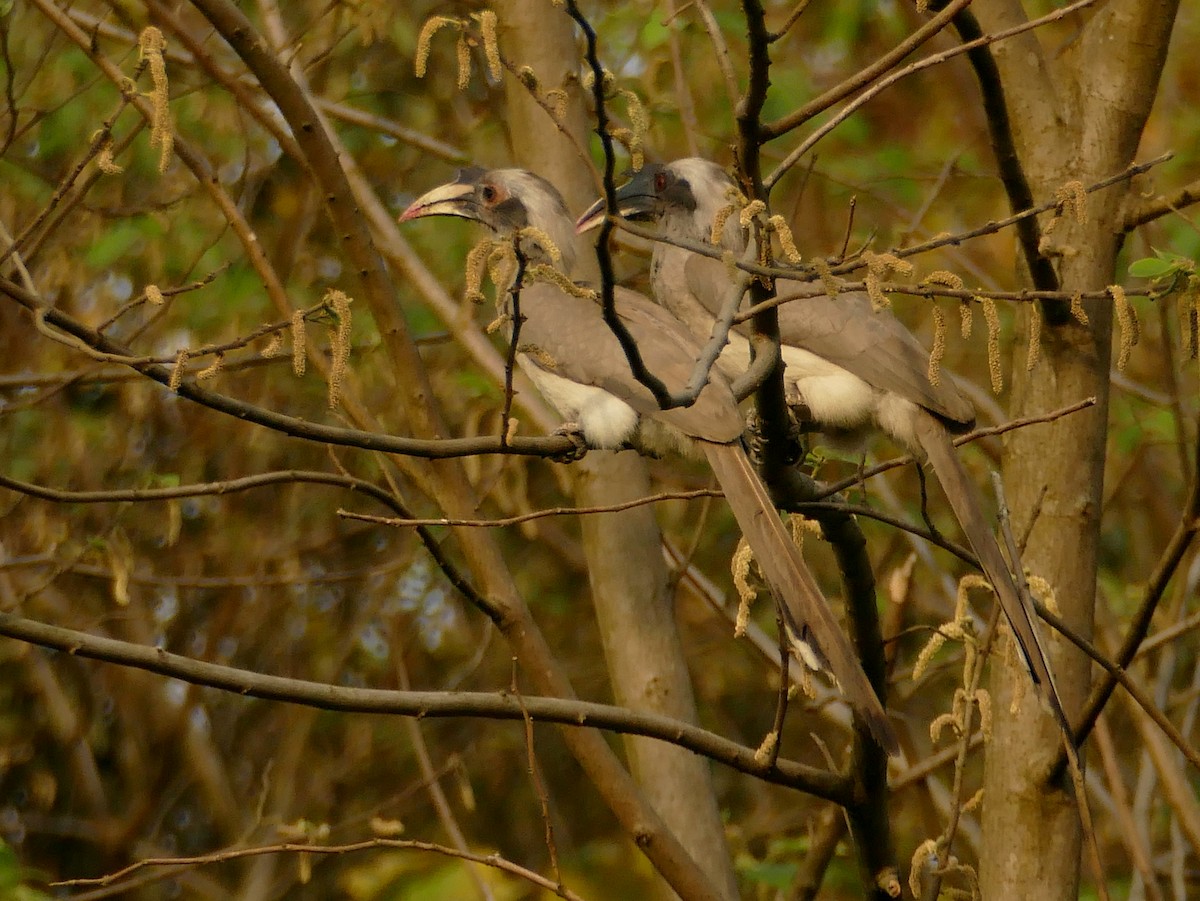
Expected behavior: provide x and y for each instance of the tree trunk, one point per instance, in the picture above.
(1077, 116)
(626, 570)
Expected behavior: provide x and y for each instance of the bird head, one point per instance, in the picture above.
(683, 196)
(506, 201)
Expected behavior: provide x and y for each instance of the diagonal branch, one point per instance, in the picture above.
(864, 76)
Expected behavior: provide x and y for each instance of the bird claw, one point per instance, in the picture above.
(756, 441)
(574, 433)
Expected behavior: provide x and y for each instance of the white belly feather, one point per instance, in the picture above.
(605, 420)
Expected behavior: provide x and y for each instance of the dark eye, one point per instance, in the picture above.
(489, 194)
(660, 182)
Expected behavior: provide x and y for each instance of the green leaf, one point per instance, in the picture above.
(1149, 267)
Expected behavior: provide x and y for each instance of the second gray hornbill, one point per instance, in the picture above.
(578, 364)
(848, 368)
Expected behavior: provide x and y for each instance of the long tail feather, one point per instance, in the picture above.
(789, 578)
(964, 500)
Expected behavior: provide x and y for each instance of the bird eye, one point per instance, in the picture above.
(660, 182)
(489, 194)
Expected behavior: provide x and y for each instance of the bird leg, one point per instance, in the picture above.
(574, 432)
(933, 530)
(755, 440)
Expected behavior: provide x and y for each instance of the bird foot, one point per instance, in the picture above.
(756, 441)
(803, 420)
(572, 431)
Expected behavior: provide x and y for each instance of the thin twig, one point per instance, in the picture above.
(1076, 769)
(491, 860)
(862, 77)
(1172, 556)
(885, 82)
(535, 775)
(836, 487)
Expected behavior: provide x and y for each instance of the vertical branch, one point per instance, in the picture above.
(603, 254)
(868, 763)
(1012, 173)
(769, 399)
(513, 312)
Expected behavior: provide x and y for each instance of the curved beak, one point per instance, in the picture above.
(451, 199)
(635, 200)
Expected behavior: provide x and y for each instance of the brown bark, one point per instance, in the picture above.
(626, 572)
(447, 481)
(1078, 115)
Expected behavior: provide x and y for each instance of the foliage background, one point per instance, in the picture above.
(100, 766)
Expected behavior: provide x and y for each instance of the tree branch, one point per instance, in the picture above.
(429, 704)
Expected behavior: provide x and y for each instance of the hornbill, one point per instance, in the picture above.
(848, 368)
(579, 365)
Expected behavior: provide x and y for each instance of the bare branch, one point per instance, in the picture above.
(485, 705)
(175, 864)
(884, 83)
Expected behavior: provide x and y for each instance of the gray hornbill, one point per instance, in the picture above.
(848, 368)
(578, 364)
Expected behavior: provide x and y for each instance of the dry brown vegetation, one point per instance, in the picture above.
(219, 356)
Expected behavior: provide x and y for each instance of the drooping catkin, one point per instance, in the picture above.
(639, 122)
(340, 349)
(992, 317)
(878, 266)
(1035, 336)
(299, 360)
(749, 211)
(473, 280)
(926, 855)
(740, 569)
(212, 368)
(966, 314)
(104, 158)
(939, 346)
(1189, 317)
(462, 55)
(557, 99)
(787, 243)
(825, 273)
(491, 43)
(274, 345)
(502, 264)
(151, 45)
(764, 751)
(1072, 198)
(425, 40)
(1127, 324)
(950, 280)
(181, 359)
(1077, 309)
(718, 224)
(543, 240)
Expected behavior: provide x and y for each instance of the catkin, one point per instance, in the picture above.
(992, 317)
(939, 346)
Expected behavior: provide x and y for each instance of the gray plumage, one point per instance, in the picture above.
(850, 367)
(578, 364)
